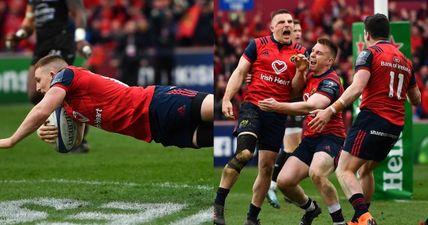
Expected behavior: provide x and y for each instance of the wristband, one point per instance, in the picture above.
(21, 33)
(29, 15)
(337, 106)
(79, 34)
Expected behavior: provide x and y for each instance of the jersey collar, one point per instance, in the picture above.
(323, 74)
(382, 42)
(280, 45)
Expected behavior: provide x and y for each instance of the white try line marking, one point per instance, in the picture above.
(133, 213)
(12, 212)
(198, 218)
(145, 212)
(129, 184)
(65, 223)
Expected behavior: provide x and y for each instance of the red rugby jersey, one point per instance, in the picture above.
(391, 77)
(272, 69)
(106, 103)
(329, 85)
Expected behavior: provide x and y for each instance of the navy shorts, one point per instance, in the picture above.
(330, 144)
(175, 113)
(268, 126)
(371, 137)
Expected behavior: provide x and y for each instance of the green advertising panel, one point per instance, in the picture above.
(394, 176)
(13, 78)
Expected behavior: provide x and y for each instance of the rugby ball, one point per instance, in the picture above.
(67, 130)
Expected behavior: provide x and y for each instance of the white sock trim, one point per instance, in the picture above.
(339, 223)
(311, 206)
(272, 185)
(333, 208)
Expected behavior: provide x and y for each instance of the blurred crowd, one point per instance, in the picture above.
(233, 31)
(126, 34)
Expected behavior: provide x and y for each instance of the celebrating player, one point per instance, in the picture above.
(316, 154)
(292, 136)
(384, 76)
(270, 59)
(165, 114)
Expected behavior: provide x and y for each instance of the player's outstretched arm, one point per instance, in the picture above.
(361, 78)
(316, 101)
(36, 117)
(414, 95)
(233, 86)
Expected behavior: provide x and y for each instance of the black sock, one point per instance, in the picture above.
(337, 216)
(280, 161)
(360, 207)
(308, 204)
(221, 196)
(253, 212)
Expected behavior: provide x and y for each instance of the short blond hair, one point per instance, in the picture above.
(50, 59)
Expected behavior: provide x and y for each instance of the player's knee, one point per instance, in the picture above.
(240, 160)
(246, 145)
(265, 169)
(244, 155)
(286, 181)
(340, 173)
(364, 171)
(316, 177)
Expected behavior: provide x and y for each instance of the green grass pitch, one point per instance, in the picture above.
(120, 181)
(409, 212)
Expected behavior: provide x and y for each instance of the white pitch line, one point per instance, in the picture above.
(12, 212)
(65, 223)
(146, 213)
(196, 219)
(129, 184)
